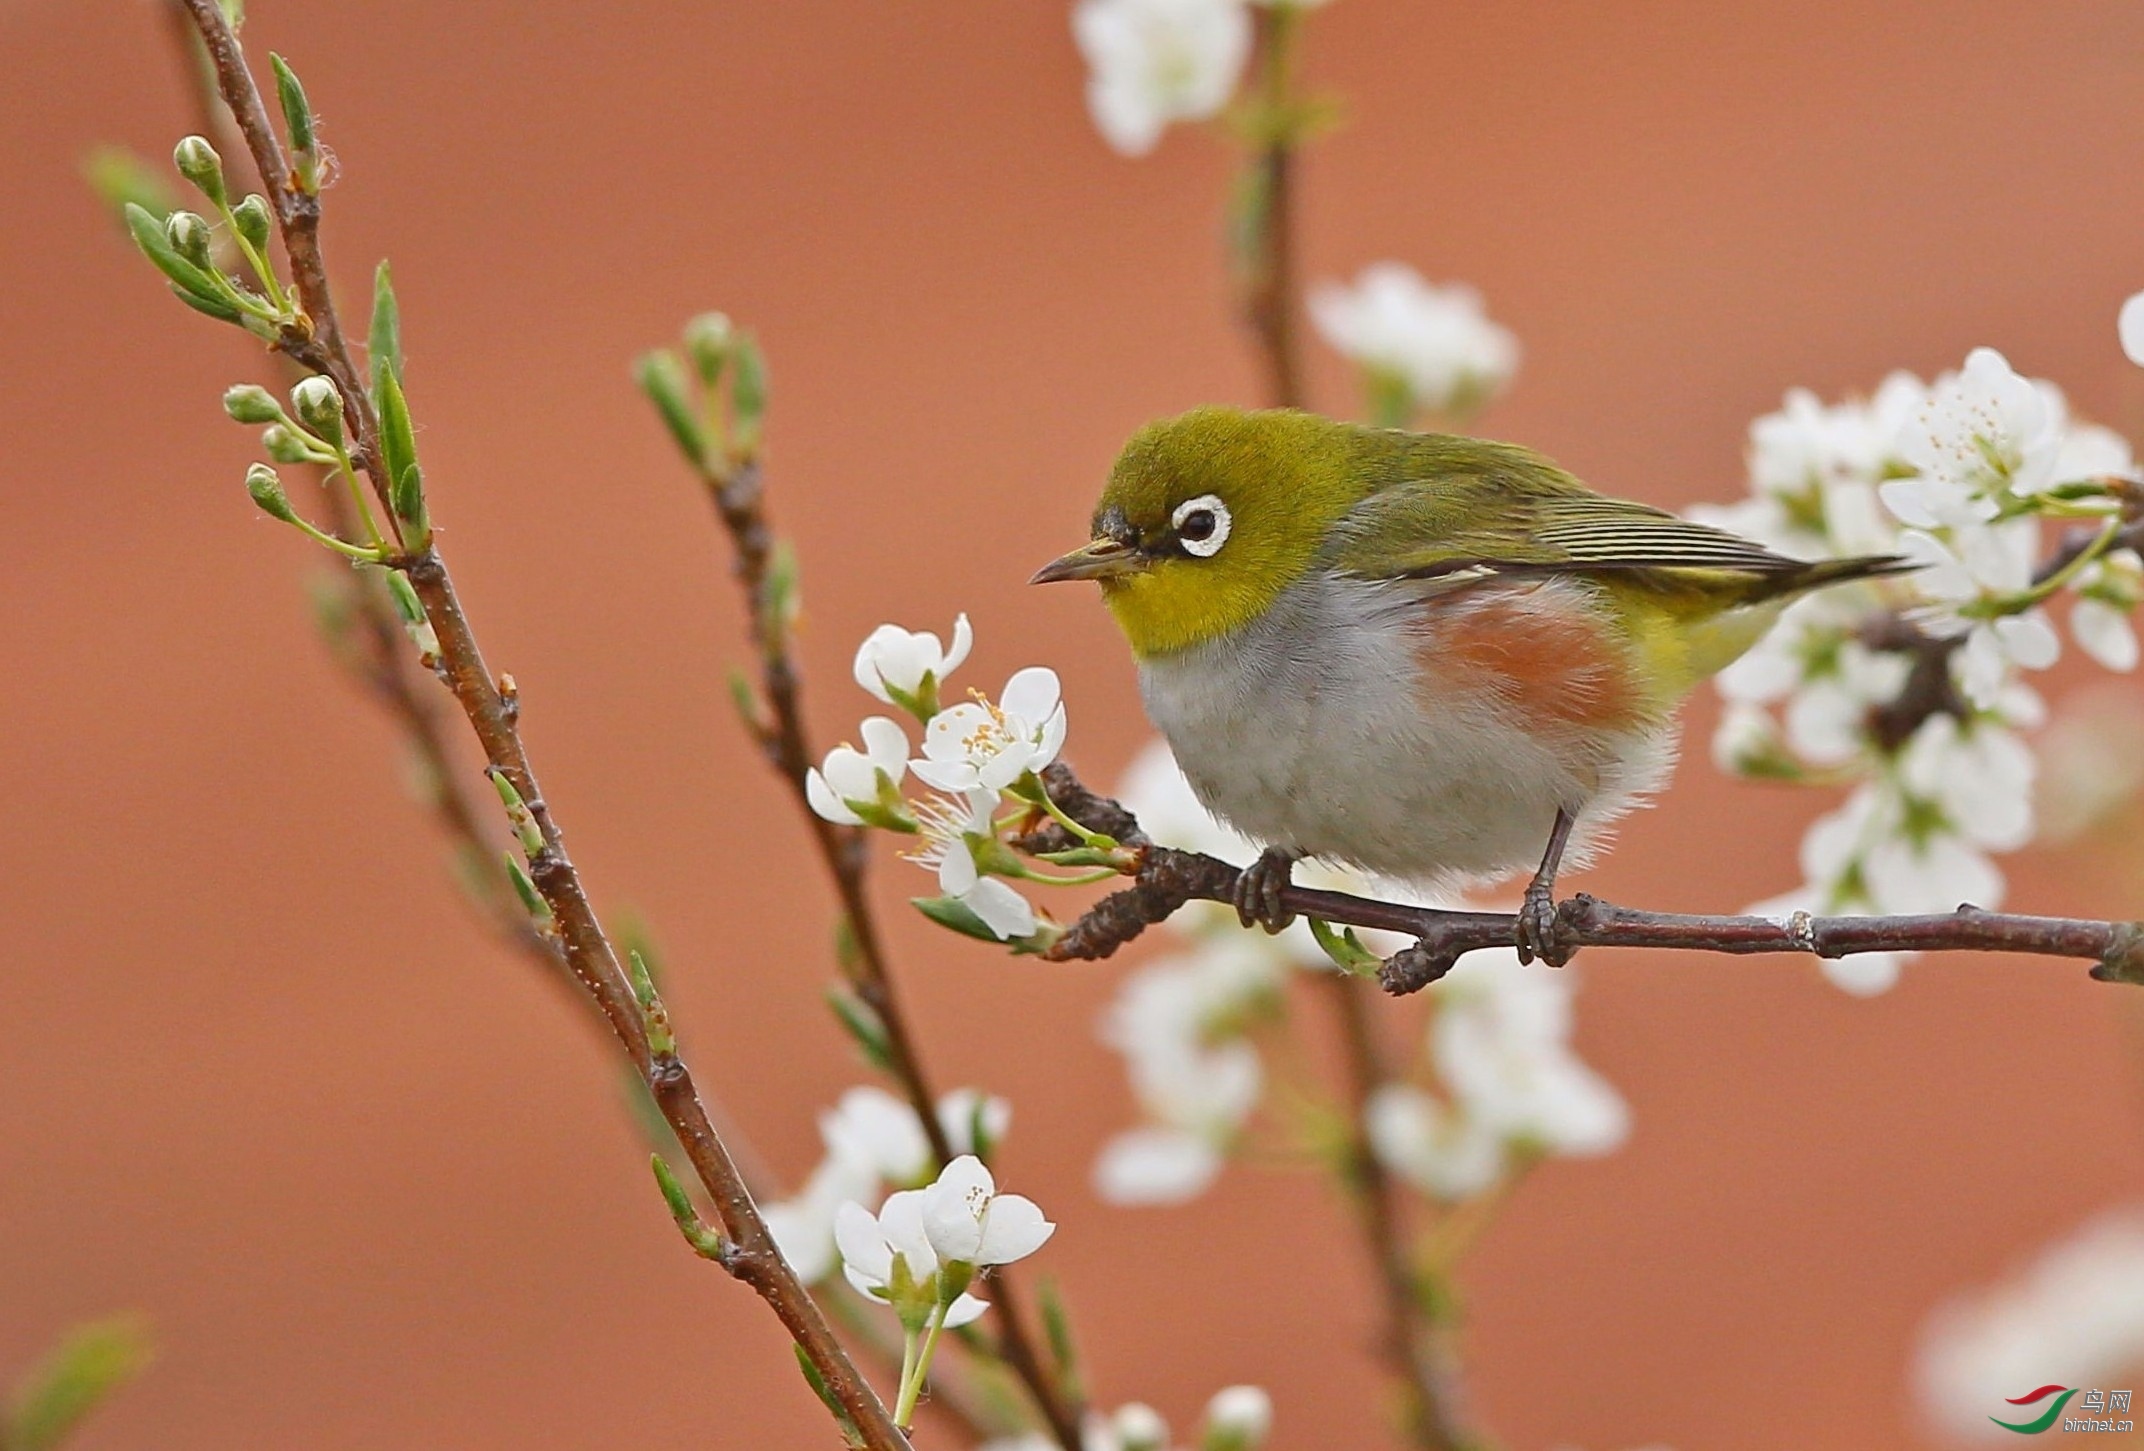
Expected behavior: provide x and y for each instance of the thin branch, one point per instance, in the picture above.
(739, 498)
(749, 1253)
(1411, 1343)
(1419, 1359)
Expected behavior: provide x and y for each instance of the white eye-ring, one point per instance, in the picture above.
(1201, 525)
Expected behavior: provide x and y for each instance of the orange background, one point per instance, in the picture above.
(262, 1078)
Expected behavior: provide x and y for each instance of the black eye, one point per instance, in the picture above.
(1198, 526)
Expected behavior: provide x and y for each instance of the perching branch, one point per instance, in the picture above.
(736, 489)
(1166, 879)
(317, 342)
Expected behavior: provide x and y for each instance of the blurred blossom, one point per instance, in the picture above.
(803, 1226)
(2073, 1317)
(1151, 62)
(1501, 1043)
(1432, 346)
(2108, 592)
(2131, 328)
(1446, 1154)
(2094, 770)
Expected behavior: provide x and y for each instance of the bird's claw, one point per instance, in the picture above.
(1257, 897)
(1538, 934)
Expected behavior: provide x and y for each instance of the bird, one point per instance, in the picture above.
(1436, 658)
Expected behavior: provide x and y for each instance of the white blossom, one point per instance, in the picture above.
(969, 1222)
(872, 1130)
(888, 1256)
(981, 744)
(850, 778)
(1984, 435)
(1151, 62)
(906, 667)
(954, 828)
(1436, 341)
(2073, 1317)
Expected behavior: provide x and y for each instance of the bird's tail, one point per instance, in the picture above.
(1818, 573)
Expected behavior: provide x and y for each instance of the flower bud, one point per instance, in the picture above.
(1238, 1418)
(267, 492)
(319, 407)
(1139, 1427)
(198, 162)
(286, 445)
(188, 235)
(708, 340)
(251, 403)
(251, 219)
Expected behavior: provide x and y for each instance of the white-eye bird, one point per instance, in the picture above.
(1439, 659)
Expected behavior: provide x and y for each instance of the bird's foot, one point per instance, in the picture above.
(1257, 895)
(1538, 931)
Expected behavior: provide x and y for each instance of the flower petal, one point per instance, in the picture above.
(1003, 910)
(825, 802)
(864, 1251)
(966, 1309)
(1013, 1229)
(1031, 694)
(886, 745)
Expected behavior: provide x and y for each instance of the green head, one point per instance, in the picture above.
(1208, 516)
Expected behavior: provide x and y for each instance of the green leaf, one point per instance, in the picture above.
(662, 378)
(398, 452)
(1345, 949)
(149, 235)
(92, 1362)
(1064, 1351)
(850, 1435)
(122, 179)
(864, 1027)
(214, 307)
(385, 340)
(297, 111)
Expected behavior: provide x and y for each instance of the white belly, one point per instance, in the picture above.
(1317, 729)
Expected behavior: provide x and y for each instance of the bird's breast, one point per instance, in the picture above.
(1420, 740)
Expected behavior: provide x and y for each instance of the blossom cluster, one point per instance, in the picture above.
(1504, 1085)
(1980, 477)
(978, 758)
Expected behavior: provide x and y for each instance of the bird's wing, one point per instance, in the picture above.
(1462, 526)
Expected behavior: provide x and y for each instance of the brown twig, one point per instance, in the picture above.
(739, 496)
(748, 1251)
